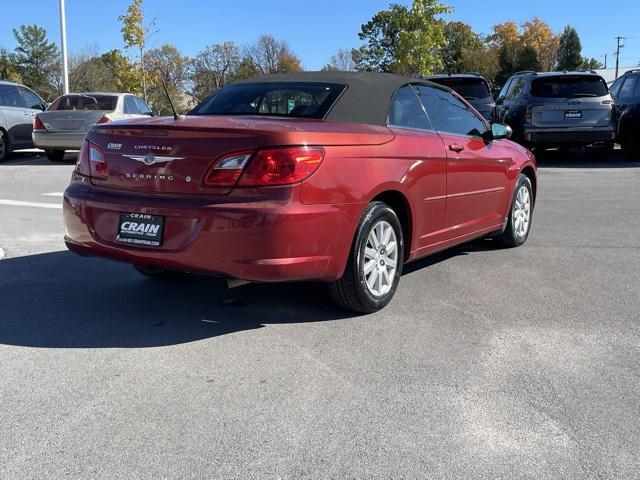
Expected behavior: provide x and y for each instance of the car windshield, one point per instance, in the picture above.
(469, 88)
(85, 102)
(569, 87)
(307, 100)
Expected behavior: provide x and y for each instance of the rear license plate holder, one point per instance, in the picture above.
(573, 114)
(140, 229)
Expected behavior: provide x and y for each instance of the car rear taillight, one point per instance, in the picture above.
(281, 166)
(92, 161)
(104, 119)
(82, 163)
(528, 114)
(37, 124)
(226, 171)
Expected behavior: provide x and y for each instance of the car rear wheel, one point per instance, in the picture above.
(375, 262)
(4, 146)
(604, 153)
(519, 222)
(55, 155)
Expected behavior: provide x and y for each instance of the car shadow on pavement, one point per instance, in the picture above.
(60, 300)
(37, 159)
(563, 158)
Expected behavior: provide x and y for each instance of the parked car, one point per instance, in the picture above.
(472, 87)
(18, 106)
(65, 123)
(333, 176)
(626, 96)
(558, 109)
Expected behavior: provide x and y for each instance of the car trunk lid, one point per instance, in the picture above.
(70, 120)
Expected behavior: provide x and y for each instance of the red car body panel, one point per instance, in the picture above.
(293, 232)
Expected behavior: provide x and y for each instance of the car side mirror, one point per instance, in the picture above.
(500, 130)
(155, 112)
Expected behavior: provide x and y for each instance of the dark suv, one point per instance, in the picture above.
(626, 95)
(472, 87)
(558, 109)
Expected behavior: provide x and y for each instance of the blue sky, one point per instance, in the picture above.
(314, 30)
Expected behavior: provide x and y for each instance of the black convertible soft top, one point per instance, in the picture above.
(366, 98)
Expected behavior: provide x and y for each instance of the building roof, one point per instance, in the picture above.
(366, 98)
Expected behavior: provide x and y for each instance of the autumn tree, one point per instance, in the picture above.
(270, 55)
(213, 67)
(404, 40)
(136, 33)
(166, 65)
(37, 60)
(126, 76)
(538, 35)
(569, 50)
(8, 67)
(341, 61)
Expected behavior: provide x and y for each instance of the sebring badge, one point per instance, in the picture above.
(150, 158)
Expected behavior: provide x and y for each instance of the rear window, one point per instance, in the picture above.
(306, 100)
(469, 88)
(569, 87)
(85, 102)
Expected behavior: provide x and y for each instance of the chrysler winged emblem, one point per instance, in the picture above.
(151, 158)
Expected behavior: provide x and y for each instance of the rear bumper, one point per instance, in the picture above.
(58, 140)
(265, 241)
(565, 136)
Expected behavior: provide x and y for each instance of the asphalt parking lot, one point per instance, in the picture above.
(489, 363)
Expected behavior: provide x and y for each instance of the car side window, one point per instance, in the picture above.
(505, 89)
(32, 100)
(130, 106)
(405, 110)
(144, 109)
(516, 88)
(449, 114)
(10, 96)
(628, 87)
(615, 88)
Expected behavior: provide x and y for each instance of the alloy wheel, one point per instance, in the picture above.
(522, 212)
(380, 258)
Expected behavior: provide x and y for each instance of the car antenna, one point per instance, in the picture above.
(173, 108)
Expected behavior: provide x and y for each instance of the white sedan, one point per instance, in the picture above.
(64, 125)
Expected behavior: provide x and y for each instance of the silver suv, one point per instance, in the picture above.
(18, 106)
(558, 109)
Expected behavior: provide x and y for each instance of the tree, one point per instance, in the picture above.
(463, 49)
(8, 68)
(214, 67)
(269, 55)
(590, 64)
(538, 35)
(89, 73)
(569, 50)
(341, 61)
(36, 59)
(402, 40)
(136, 33)
(126, 76)
(166, 64)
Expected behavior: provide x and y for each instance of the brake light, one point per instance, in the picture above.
(97, 162)
(281, 166)
(528, 114)
(37, 124)
(103, 120)
(226, 171)
(82, 164)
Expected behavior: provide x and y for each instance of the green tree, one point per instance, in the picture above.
(403, 40)
(569, 50)
(590, 64)
(37, 60)
(126, 76)
(463, 49)
(136, 33)
(8, 68)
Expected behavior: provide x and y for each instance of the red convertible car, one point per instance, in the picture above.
(333, 176)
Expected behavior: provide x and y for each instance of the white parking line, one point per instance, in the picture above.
(52, 194)
(18, 203)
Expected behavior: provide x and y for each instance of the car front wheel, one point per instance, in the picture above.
(4, 146)
(519, 222)
(55, 155)
(375, 262)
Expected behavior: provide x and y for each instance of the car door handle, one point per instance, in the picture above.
(454, 147)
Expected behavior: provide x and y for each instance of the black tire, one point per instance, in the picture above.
(55, 155)
(511, 237)
(163, 275)
(351, 291)
(603, 154)
(630, 152)
(5, 148)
